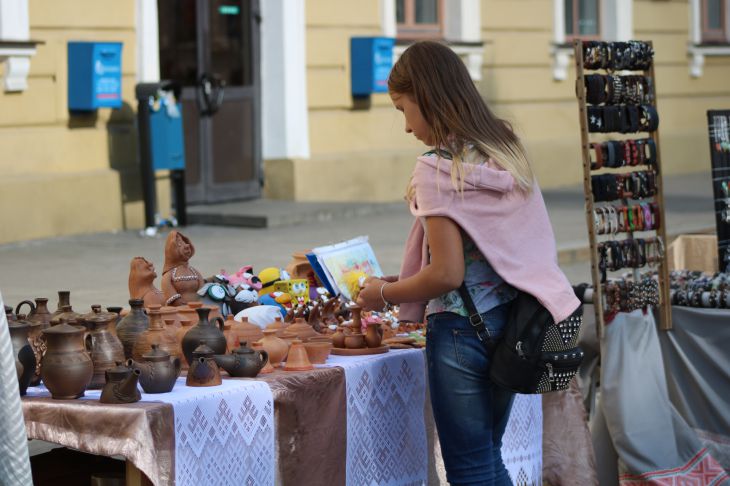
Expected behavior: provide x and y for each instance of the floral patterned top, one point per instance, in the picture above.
(487, 289)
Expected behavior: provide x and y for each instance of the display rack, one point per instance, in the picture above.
(664, 306)
(718, 122)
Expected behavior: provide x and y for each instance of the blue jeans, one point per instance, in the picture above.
(470, 412)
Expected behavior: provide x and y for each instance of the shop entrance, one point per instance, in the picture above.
(211, 47)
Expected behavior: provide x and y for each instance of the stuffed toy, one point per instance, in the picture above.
(298, 289)
(269, 276)
(218, 291)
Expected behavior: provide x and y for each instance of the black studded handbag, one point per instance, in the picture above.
(535, 354)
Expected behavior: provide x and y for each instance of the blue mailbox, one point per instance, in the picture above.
(371, 59)
(94, 75)
(166, 134)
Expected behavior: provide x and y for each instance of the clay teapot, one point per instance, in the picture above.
(243, 362)
(203, 368)
(66, 367)
(132, 325)
(156, 333)
(22, 352)
(103, 346)
(159, 370)
(121, 385)
(204, 331)
(39, 318)
(64, 298)
(256, 346)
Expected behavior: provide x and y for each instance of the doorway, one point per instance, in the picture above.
(211, 47)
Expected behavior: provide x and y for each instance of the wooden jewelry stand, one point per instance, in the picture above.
(665, 315)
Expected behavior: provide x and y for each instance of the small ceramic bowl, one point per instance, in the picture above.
(318, 351)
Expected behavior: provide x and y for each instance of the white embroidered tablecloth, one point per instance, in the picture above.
(386, 435)
(223, 434)
(522, 441)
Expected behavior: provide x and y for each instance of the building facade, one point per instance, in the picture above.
(66, 173)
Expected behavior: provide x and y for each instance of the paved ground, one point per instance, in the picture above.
(95, 267)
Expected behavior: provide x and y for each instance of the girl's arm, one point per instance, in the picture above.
(444, 273)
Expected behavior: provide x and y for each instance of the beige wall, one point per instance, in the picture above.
(365, 153)
(67, 174)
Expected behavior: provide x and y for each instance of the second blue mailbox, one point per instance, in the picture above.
(94, 75)
(371, 59)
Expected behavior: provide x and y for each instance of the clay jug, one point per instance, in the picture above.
(247, 332)
(204, 331)
(276, 347)
(66, 368)
(132, 325)
(118, 311)
(67, 314)
(39, 319)
(301, 329)
(297, 359)
(103, 346)
(243, 362)
(355, 340)
(203, 368)
(64, 298)
(356, 318)
(159, 370)
(373, 335)
(190, 311)
(267, 367)
(338, 338)
(156, 333)
(121, 385)
(22, 351)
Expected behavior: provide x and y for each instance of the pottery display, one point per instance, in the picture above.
(301, 329)
(180, 281)
(297, 359)
(142, 282)
(66, 367)
(69, 315)
(267, 367)
(103, 346)
(276, 347)
(132, 325)
(318, 351)
(39, 319)
(206, 331)
(203, 368)
(156, 333)
(121, 385)
(64, 298)
(243, 362)
(22, 351)
(159, 370)
(246, 332)
(338, 338)
(355, 340)
(374, 334)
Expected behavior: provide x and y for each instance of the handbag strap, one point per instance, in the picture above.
(475, 319)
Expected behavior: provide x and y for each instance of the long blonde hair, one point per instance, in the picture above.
(462, 123)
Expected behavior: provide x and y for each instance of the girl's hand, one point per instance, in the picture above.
(390, 278)
(369, 297)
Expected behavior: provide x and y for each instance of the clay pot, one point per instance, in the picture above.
(156, 333)
(338, 338)
(267, 367)
(374, 335)
(66, 368)
(39, 319)
(355, 340)
(170, 316)
(132, 325)
(204, 330)
(22, 352)
(159, 370)
(318, 351)
(230, 334)
(275, 346)
(297, 359)
(301, 329)
(243, 362)
(64, 299)
(247, 332)
(104, 347)
(278, 326)
(203, 368)
(121, 385)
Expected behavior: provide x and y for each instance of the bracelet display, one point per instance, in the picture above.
(630, 253)
(622, 219)
(622, 118)
(631, 55)
(615, 90)
(632, 185)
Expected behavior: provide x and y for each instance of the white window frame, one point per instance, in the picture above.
(462, 31)
(697, 52)
(16, 48)
(617, 25)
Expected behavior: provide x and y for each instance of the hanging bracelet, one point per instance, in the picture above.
(387, 306)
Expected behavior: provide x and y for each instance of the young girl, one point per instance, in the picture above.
(481, 221)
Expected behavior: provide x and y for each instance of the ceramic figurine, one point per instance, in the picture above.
(180, 281)
(66, 367)
(159, 370)
(142, 282)
(121, 385)
(203, 368)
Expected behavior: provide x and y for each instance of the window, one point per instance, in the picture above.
(714, 24)
(582, 19)
(419, 19)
